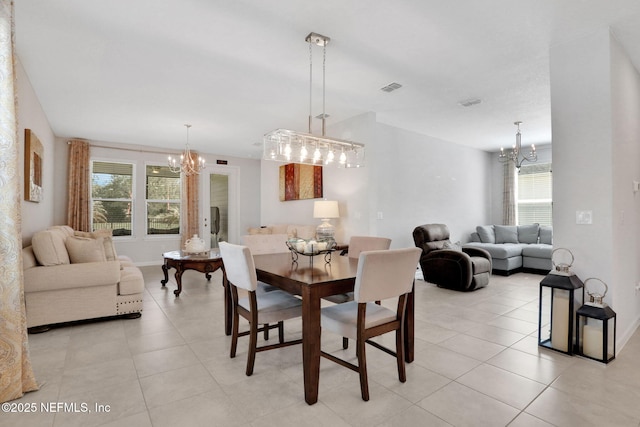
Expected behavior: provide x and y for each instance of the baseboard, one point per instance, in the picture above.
(535, 271)
(623, 338)
(505, 272)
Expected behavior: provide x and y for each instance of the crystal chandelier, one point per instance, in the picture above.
(516, 155)
(286, 145)
(188, 163)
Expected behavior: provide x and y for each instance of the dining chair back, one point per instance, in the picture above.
(381, 275)
(359, 244)
(258, 308)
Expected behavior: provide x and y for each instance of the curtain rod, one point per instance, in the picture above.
(126, 149)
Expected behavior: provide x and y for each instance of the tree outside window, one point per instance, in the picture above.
(163, 200)
(112, 197)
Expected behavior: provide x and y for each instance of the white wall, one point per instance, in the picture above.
(625, 112)
(595, 105)
(35, 216)
(410, 179)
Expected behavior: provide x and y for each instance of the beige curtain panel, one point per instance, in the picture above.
(189, 217)
(509, 194)
(79, 190)
(16, 374)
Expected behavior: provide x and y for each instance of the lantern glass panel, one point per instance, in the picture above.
(560, 319)
(558, 304)
(591, 337)
(611, 339)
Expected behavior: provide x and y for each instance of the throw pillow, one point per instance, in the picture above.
(109, 247)
(48, 247)
(506, 233)
(82, 249)
(486, 233)
(546, 234)
(528, 233)
(452, 246)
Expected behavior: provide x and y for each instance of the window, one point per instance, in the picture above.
(163, 200)
(534, 194)
(112, 197)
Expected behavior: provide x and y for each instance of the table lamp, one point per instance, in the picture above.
(325, 210)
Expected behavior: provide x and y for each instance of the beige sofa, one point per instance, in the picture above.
(72, 276)
(273, 238)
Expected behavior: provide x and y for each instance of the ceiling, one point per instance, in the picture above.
(136, 71)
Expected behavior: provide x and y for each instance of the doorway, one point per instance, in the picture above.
(219, 206)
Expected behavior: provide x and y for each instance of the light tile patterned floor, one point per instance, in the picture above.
(477, 364)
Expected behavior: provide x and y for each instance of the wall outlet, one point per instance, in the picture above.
(584, 217)
(380, 215)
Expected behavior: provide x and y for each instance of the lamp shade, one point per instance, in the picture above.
(326, 209)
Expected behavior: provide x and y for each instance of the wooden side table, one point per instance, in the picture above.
(206, 263)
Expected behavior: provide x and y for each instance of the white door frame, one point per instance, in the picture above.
(233, 172)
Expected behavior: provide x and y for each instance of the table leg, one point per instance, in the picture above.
(311, 343)
(165, 270)
(178, 276)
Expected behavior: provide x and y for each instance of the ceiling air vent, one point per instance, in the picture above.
(470, 102)
(391, 87)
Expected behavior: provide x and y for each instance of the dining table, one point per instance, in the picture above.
(312, 278)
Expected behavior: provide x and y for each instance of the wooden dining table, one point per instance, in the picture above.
(313, 278)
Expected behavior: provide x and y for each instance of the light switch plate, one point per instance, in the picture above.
(584, 217)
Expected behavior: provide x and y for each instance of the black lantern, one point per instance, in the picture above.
(558, 304)
(596, 327)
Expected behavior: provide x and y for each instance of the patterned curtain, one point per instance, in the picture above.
(79, 191)
(509, 194)
(189, 218)
(16, 374)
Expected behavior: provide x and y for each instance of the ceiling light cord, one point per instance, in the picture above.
(324, 66)
(310, 86)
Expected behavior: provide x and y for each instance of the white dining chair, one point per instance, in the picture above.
(258, 308)
(358, 244)
(381, 275)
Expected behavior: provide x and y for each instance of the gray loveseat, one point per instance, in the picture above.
(515, 248)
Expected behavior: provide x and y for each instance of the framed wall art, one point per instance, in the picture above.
(33, 157)
(299, 181)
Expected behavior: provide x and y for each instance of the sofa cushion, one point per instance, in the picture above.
(131, 281)
(266, 244)
(109, 247)
(66, 230)
(546, 234)
(528, 233)
(82, 249)
(499, 251)
(259, 230)
(537, 250)
(278, 229)
(452, 246)
(506, 233)
(49, 247)
(475, 237)
(486, 233)
(302, 231)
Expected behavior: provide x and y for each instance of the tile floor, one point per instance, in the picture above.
(477, 364)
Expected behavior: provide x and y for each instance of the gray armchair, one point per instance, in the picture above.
(449, 266)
